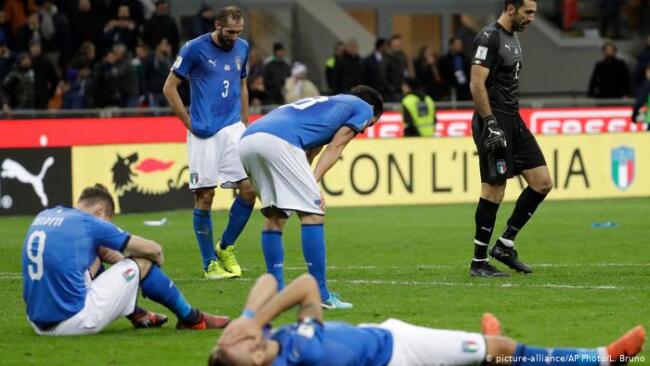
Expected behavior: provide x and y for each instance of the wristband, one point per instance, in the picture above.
(248, 313)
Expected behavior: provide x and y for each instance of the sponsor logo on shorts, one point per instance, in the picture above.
(501, 166)
(470, 347)
(129, 274)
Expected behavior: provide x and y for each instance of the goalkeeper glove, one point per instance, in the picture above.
(493, 138)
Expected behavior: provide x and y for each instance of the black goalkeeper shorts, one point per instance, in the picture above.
(522, 151)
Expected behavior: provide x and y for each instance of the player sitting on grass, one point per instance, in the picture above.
(311, 341)
(276, 152)
(61, 253)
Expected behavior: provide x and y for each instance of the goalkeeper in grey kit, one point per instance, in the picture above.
(505, 145)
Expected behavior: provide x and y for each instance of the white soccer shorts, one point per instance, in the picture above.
(214, 161)
(280, 173)
(111, 295)
(420, 346)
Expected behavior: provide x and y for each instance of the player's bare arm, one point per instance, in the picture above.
(170, 90)
(333, 151)
(110, 256)
(479, 75)
(145, 248)
(244, 101)
(313, 153)
(302, 292)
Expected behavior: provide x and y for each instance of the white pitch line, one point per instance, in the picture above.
(445, 266)
(473, 284)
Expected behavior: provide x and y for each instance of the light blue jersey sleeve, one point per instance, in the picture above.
(184, 62)
(361, 115)
(105, 234)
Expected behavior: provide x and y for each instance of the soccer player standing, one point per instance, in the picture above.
(215, 65)
(277, 152)
(506, 147)
(64, 293)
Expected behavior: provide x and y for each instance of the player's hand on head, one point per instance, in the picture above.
(240, 329)
(492, 137)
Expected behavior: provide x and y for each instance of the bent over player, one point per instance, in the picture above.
(277, 151)
(505, 145)
(62, 250)
(248, 341)
(215, 65)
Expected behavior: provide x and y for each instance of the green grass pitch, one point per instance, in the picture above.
(588, 287)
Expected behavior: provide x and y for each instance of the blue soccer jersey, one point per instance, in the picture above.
(313, 122)
(60, 246)
(215, 76)
(334, 343)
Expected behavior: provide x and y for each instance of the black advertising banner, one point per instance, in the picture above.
(34, 179)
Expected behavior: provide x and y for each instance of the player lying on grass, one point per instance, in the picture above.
(62, 251)
(310, 341)
(277, 151)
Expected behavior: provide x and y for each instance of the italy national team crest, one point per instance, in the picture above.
(238, 62)
(470, 347)
(623, 167)
(194, 178)
(501, 166)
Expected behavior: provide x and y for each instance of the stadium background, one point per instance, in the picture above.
(592, 281)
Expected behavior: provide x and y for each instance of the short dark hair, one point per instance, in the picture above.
(98, 194)
(278, 46)
(232, 12)
(218, 358)
(370, 96)
(379, 43)
(516, 3)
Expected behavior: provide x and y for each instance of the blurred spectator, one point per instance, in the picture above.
(160, 26)
(148, 8)
(125, 77)
(104, 87)
(276, 71)
(372, 74)
(85, 56)
(454, 68)
(418, 110)
(349, 68)
(18, 86)
(7, 59)
(136, 10)
(155, 69)
(29, 32)
(17, 12)
(641, 62)
(203, 21)
(142, 52)
(122, 29)
(55, 33)
(611, 76)
(297, 86)
(331, 66)
(6, 35)
(427, 73)
(257, 95)
(87, 22)
(255, 62)
(396, 67)
(46, 76)
(74, 88)
(642, 102)
(611, 18)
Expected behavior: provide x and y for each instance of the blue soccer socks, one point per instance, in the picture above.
(313, 249)
(240, 212)
(274, 255)
(203, 232)
(159, 288)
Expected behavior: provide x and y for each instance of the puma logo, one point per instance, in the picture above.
(13, 170)
(213, 62)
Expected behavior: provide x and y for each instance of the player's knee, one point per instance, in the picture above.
(144, 264)
(493, 192)
(274, 223)
(311, 219)
(544, 186)
(204, 196)
(247, 191)
(499, 349)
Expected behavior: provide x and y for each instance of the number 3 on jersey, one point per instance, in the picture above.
(226, 85)
(35, 254)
